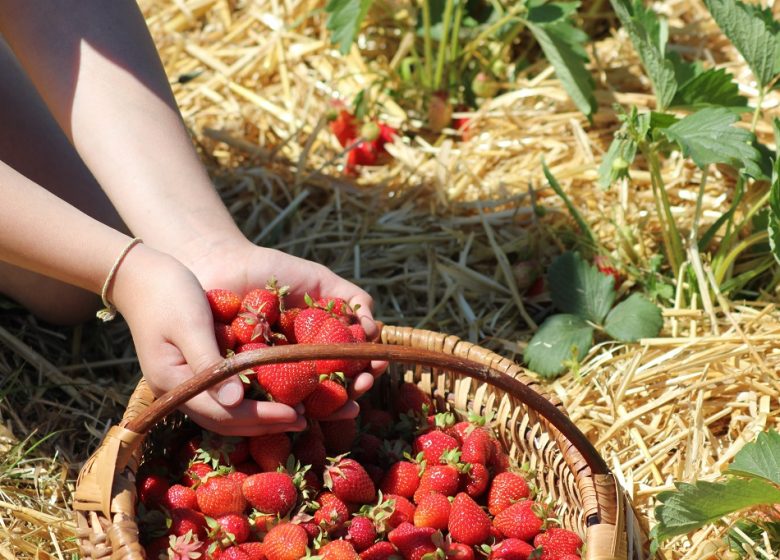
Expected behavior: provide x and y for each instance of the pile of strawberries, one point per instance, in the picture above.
(365, 142)
(400, 482)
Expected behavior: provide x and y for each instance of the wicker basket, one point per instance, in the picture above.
(459, 375)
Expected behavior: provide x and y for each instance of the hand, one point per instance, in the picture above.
(173, 331)
(239, 265)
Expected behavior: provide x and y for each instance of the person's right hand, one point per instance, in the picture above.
(173, 331)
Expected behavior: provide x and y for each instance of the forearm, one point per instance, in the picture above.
(40, 232)
(97, 69)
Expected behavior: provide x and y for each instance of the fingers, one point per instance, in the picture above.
(349, 410)
(360, 384)
(246, 419)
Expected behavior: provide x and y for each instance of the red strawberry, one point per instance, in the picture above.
(195, 473)
(338, 550)
(377, 421)
(286, 541)
(402, 478)
(247, 468)
(179, 496)
(375, 472)
(239, 476)
(570, 557)
(337, 307)
(444, 479)
(308, 322)
(333, 331)
(460, 430)
(287, 323)
(224, 304)
(368, 449)
(158, 548)
(477, 447)
(332, 513)
(605, 267)
(249, 346)
(270, 450)
(475, 481)
(468, 523)
(556, 542)
(361, 532)
(506, 489)
(229, 529)
(460, 551)
(270, 492)
(243, 551)
(339, 435)
(383, 550)
(328, 396)
(218, 495)
(312, 529)
(249, 327)
(413, 542)
(511, 549)
(310, 450)
(434, 445)
(433, 510)
(348, 480)
(225, 450)
(289, 382)
(264, 302)
(152, 489)
(226, 339)
(403, 510)
(185, 520)
(410, 398)
(520, 520)
(344, 126)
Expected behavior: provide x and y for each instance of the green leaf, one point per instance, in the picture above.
(562, 44)
(577, 287)
(567, 201)
(633, 319)
(759, 458)
(753, 32)
(694, 505)
(708, 138)
(552, 12)
(617, 160)
(706, 239)
(344, 19)
(712, 88)
(648, 35)
(560, 338)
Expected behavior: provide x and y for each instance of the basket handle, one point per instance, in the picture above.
(177, 396)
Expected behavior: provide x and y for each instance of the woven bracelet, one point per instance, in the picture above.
(109, 310)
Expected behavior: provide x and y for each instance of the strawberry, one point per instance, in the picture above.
(310, 450)
(468, 523)
(444, 479)
(249, 346)
(249, 327)
(434, 445)
(344, 126)
(226, 339)
(287, 323)
(218, 495)
(196, 472)
(289, 382)
(348, 480)
(511, 549)
(247, 468)
(411, 398)
(228, 529)
(556, 542)
(520, 520)
(605, 267)
(332, 513)
(368, 449)
(185, 520)
(338, 550)
(158, 548)
(402, 478)
(286, 541)
(152, 489)
(239, 476)
(483, 85)
(476, 447)
(328, 396)
(475, 480)
(459, 551)
(403, 510)
(570, 557)
(270, 450)
(308, 322)
(375, 472)
(413, 542)
(243, 551)
(265, 302)
(179, 496)
(361, 532)
(339, 435)
(506, 489)
(433, 510)
(270, 492)
(313, 530)
(224, 304)
(377, 421)
(337, 307)
(225, 450)
(383, 550)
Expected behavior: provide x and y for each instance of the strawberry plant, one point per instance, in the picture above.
(750, 488)
(586, 297)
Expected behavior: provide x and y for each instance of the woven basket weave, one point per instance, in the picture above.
(462, 377)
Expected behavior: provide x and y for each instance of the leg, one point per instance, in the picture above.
(32, 143)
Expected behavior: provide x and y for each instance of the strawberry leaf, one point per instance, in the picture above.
(711, 88)
(633, 319)
(760, 458)
(692, 506)
(578, 288)
(344, 19)
(559, 339)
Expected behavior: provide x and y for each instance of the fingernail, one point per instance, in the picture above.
(230, 393)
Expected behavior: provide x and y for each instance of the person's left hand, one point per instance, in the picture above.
(240, 266)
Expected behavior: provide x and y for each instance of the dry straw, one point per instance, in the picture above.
(436, 236)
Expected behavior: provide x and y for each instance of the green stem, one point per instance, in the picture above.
(455, 43)
(739, 248)
(443, 44)
(428, 45)
(697, 213)
(489, 31)
(757, 111)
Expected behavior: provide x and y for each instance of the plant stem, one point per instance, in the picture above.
(443, 44)
(455, 43)
(489, 31)
(757, 111)
(428, 45)
(758, 237)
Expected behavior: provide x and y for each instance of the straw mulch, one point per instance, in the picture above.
(443, 237)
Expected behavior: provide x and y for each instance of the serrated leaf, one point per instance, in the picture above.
(708, 138)
(646, 31)
(344, 19)
(617, 160)
(753, 32)
(560, 338)
(759, 458)
(694, 505)
(562, 44)
(711, 88)
(578, 288)
(633, 319)
(550, 12)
